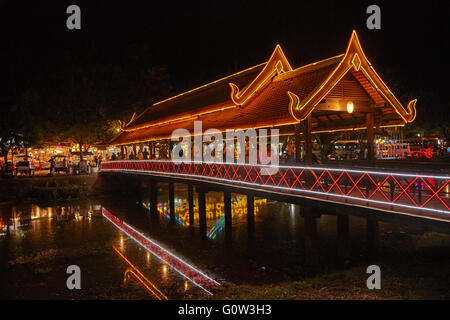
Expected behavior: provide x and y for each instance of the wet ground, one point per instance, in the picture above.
(38, 243)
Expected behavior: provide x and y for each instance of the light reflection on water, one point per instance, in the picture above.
(277, 245)
(215, 212)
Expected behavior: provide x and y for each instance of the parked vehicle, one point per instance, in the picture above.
(25, 167)
(8, 169)
(59, 164)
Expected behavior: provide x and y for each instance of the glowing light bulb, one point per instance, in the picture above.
(350, 107)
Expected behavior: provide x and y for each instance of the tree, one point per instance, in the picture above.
(81, 99)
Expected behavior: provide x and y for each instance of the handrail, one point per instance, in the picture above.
(406, 192)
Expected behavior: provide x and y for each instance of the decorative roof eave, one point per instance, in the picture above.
(277, 64)
(354, 57)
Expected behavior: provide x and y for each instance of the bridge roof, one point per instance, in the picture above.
(275, 95)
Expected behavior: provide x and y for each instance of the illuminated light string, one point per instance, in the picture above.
(276, 64)
(211, 83)
(141, 278)
(196, 89)
(305, 190)
(178, 119)
(290, 189)
(283, 167)
(255, 127)
(185, 93)
(306, 68)
(197, 277)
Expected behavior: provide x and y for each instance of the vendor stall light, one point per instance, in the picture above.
(350, 107)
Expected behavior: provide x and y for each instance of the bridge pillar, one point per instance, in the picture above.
(311, 240)
(228, 214)
(250, 215)
(153, 199)
(202, 211)
(172, 202)
(343, 236)
(372, 236)
(191, 204)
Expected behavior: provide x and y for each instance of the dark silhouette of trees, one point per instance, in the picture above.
(81, 98)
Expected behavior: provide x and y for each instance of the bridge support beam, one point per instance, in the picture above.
(228, 214)
(153, 199)
(250, 215)
(202, 211)
(372, 236)
(311, 240)
(172, 202)
(343, 236)
(191, 204)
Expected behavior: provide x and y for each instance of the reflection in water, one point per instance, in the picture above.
(137, 274)
(42, 237)
(20, 218)
(214, 211)
(185, 269)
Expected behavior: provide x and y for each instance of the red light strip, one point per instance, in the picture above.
(295, 178)
(195, 276)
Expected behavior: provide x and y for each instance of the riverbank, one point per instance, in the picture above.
(421, 274)
(48, 189)
(34, 274)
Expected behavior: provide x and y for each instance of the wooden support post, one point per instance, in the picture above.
(172, 202)
(311, 245)
(343, 236)
(150, 150)
(308, 139)
(170, 147)
(202, 211)
(153, 199)
(228, 213)
(191, 204)
(250, 215)
(370, 137)
(298, 154)
(372, 236)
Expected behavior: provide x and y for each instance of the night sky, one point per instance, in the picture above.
(198, 42)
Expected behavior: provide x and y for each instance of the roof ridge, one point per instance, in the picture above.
(308, 67)
(204, 86)
(197, 89)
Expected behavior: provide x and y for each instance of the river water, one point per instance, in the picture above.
(39, 242)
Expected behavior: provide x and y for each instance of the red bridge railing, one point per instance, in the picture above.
(403, 192)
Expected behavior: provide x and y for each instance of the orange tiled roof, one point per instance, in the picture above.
(273, 94)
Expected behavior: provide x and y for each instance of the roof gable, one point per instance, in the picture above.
(277, 64)
(354, 59)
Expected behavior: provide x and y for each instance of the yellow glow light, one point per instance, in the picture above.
(350, 107)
